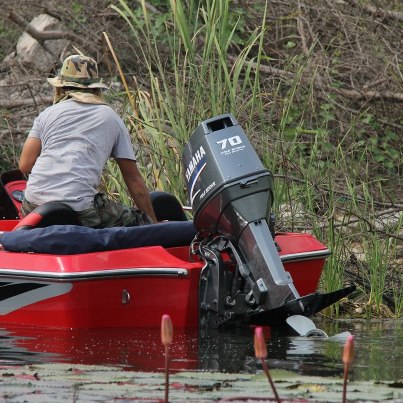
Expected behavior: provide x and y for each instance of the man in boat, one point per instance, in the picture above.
(69, 145)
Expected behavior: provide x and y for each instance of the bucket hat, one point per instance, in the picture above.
(78, 71)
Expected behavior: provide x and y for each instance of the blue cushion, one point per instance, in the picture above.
(73, 239)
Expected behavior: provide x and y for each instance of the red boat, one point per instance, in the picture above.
(227, 266)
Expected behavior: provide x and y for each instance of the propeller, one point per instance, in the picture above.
(305, 327)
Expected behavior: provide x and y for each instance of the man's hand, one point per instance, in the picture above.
(136, 185)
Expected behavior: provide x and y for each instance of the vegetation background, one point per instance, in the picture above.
(317, 86)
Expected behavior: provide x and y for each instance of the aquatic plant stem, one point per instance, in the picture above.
(267, 372)
(166, 339)
(348, 358)
(166, 373)
(345, 377)
(261, 354)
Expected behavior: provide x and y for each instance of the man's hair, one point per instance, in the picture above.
(95, 91)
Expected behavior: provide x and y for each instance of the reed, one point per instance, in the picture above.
(398, 298)
(376, 254)
(397, 290)
(198, 83)
(379, 254)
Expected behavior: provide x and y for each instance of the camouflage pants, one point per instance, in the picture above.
(104, 213)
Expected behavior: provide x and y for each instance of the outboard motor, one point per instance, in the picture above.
(231, 194)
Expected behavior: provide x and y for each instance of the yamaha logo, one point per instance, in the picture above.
(197, 157)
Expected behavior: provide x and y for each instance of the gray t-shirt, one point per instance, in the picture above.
(77, 139)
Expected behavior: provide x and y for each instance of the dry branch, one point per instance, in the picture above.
(9, 132)
(351, 94)
(393, 206)
(42, 36)
(377, 11)
(357, 95)
(18, 103)
(21, 83)
(370, 224)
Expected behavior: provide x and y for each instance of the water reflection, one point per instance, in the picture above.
(233, 352)
(378, 345)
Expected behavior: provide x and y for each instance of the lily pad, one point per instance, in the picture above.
(64, 382)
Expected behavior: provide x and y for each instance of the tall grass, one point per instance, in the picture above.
(190, 82)
(190, 77)
(377, 254)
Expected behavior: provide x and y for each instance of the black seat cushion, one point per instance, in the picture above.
(167, 206)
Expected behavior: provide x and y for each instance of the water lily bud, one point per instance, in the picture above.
(167, 331)
(260, 344)
(348, 352)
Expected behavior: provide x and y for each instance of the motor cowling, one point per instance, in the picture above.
(231, 194)
(227, 184)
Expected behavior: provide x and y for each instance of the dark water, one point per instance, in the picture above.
(379, 349)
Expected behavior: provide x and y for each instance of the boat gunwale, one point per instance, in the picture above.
(304, 256)
(95, 275)
(141, 271)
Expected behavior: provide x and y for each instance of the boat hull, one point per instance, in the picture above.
(126, 288)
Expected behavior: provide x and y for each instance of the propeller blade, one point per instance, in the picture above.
(301, 324)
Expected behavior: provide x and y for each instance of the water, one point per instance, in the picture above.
(379, 352)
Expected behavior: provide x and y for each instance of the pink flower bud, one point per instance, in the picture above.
(167, 331)
(260, 344)
(348, 352)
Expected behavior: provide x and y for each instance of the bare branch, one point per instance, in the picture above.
(42, 36)
(18, 103)
(352, 94)
(357, 95)
(377, 11)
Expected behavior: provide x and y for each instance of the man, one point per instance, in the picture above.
(68, 146)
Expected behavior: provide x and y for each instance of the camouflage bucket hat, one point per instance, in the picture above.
(78, 71)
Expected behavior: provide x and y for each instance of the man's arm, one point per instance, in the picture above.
(136, 185)
(30, 152)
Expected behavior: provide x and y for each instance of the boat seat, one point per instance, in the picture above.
(50, 213)
(167, 207)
